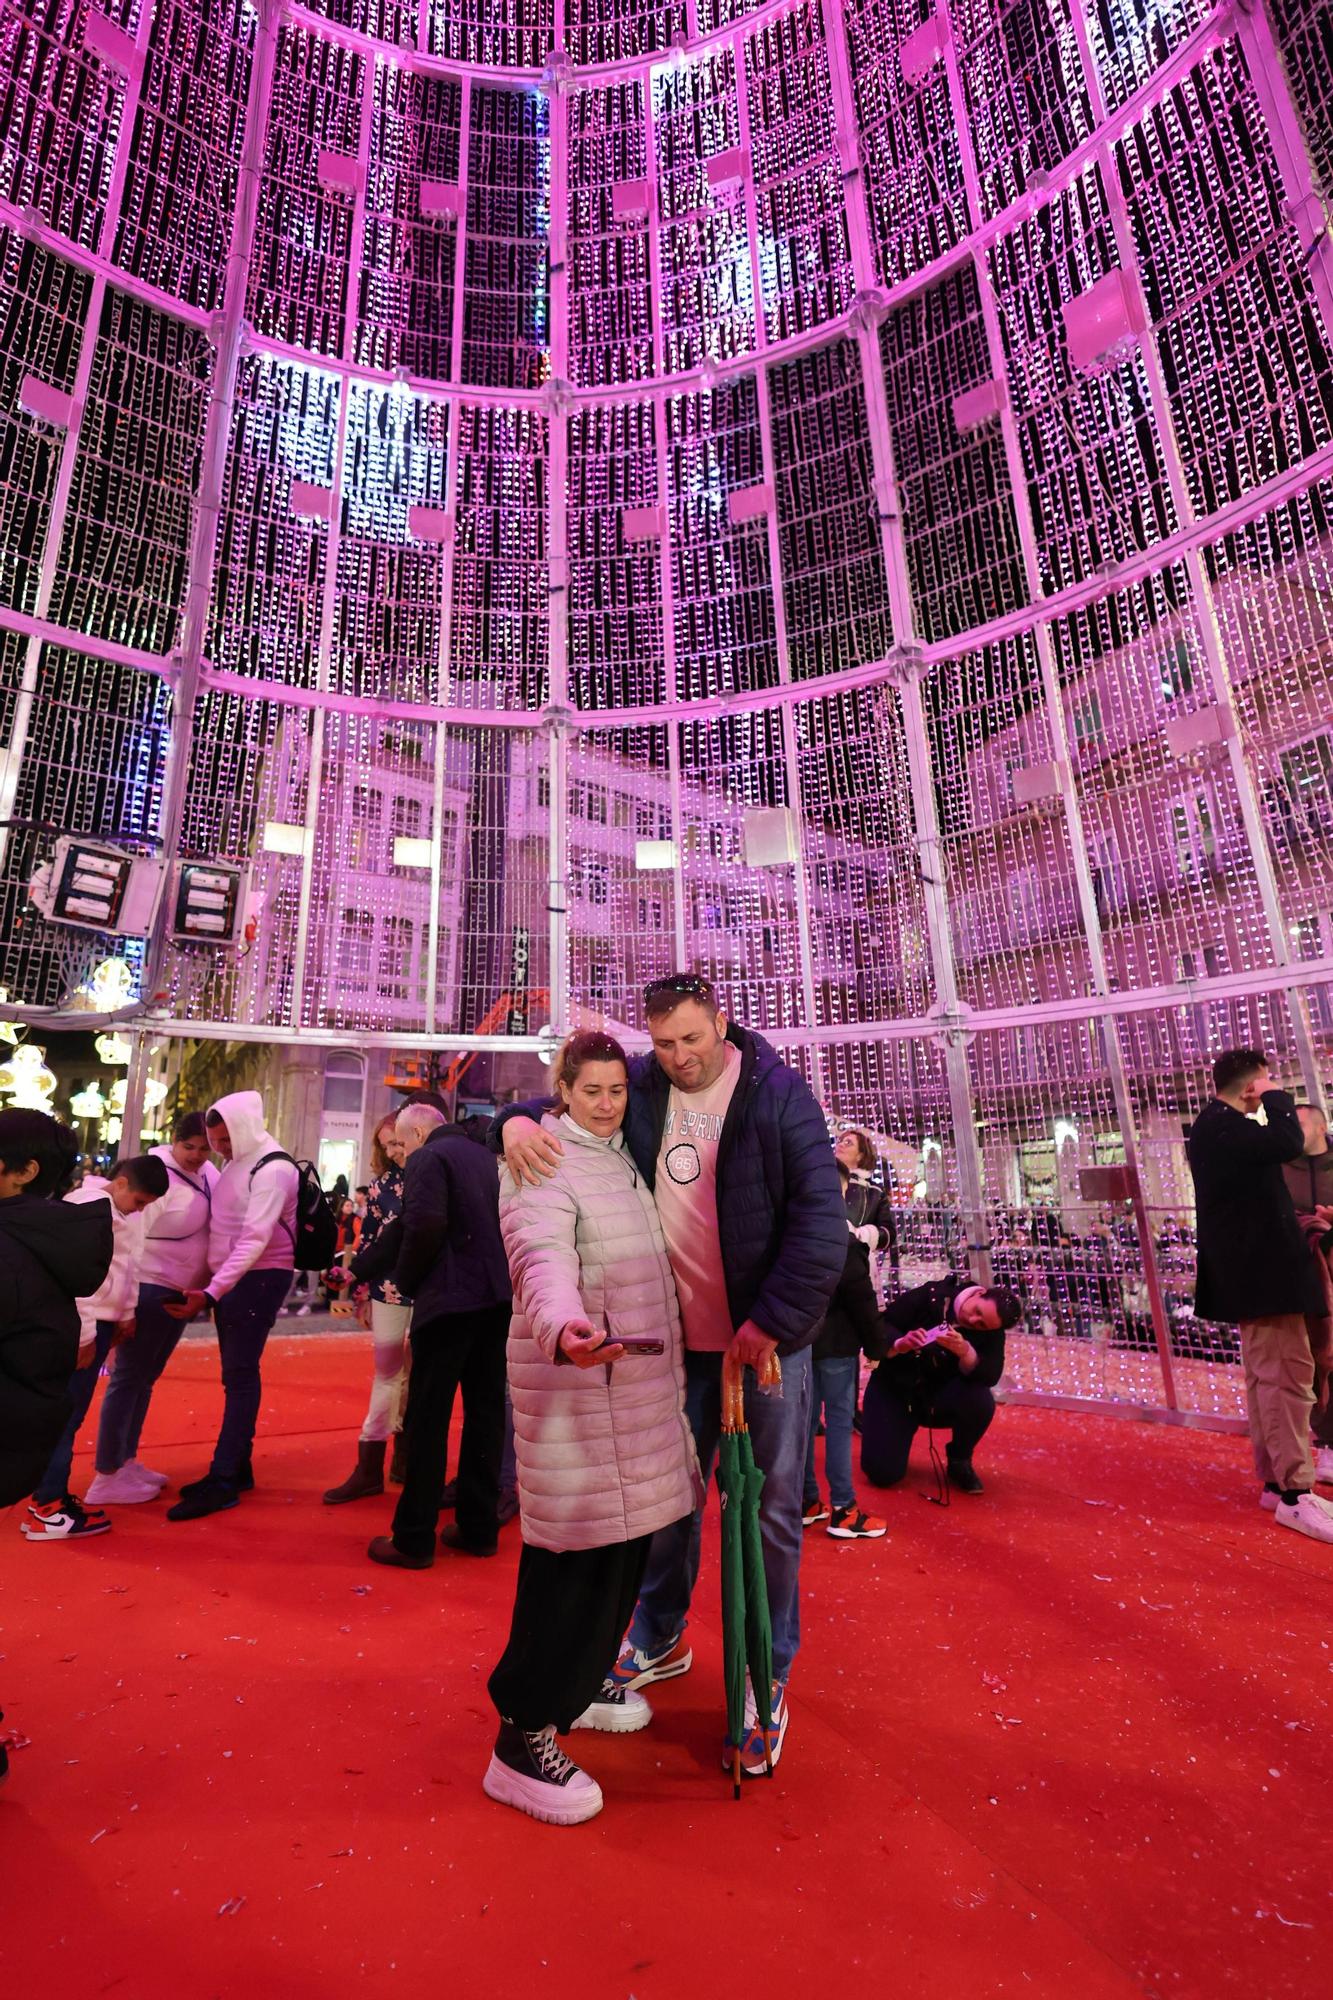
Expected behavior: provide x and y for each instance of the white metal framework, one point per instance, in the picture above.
(486, 471)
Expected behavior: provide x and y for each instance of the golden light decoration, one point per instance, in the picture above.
(25, 1079)
(112, 1049)
(88, 1103)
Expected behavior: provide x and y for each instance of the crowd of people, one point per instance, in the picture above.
(659, 1221)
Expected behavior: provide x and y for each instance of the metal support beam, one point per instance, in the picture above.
(951, 1032)
(213, 463)
(790, 744)
(1053, 703)
(557, 556)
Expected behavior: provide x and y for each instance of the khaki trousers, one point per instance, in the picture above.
(1279, 1395)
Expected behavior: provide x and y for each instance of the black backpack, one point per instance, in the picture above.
(315, 1238)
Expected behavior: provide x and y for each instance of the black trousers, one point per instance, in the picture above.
(457, 1351)
(570, 1613)
(889, 1423)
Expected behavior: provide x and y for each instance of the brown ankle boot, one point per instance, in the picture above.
(398, 1463)
(366, 1481)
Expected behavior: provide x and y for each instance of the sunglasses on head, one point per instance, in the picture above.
(687, 984)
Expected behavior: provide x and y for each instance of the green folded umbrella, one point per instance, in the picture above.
(747, 1631)
(731, 1488)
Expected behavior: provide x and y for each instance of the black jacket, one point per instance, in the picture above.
(51, 1253)
(451, 1257)
(921, 1373)
(781, 1220)
(851, 1324)
(866, 1202)
(1253, 1261)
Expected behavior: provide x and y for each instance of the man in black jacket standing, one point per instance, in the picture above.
(943, 1364)
(451, 1263)
(1254, 1268)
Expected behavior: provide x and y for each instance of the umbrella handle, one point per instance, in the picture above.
(768, 1374)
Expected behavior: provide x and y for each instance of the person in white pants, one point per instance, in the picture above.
(390, 1319)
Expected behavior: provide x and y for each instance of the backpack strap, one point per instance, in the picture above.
(267, 1161)
(199, 1187)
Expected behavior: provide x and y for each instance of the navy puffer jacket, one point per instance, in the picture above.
(781, 1219)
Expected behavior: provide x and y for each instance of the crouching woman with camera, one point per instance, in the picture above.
(605, 1455)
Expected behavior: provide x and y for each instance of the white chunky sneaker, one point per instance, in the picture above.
(120, 1489)
(529, 1771)
(1323, 1464)
(1308, 1516)
(617, 1710)
(146, 1472)
(1269, 1500)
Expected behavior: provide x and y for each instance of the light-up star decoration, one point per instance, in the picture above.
(26, 1081)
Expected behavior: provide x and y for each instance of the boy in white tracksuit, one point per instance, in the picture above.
(251, 1253)
(174, 1262)
(132, 1187)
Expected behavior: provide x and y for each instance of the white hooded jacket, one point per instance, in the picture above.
(253, 1221)
(175, 1251)
(118, 1293)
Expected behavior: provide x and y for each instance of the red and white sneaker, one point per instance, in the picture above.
(64, 1521)
(758, 1745)
(639, 1670)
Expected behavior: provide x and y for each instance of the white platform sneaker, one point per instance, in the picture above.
(529, 1771)
(617, 1710)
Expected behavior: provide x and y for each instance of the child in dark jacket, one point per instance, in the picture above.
(850, 1328)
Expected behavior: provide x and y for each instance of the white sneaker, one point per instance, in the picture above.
(1269, 1500)
(146, 1472)
(1323, 1464)
(617, 1710)
(120, 1489)
(529, 1771)
(1308, 1516)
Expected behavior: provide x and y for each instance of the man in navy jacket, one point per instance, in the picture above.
(736, 1150)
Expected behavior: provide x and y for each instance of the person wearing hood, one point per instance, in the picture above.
(251, 1252)
(106, 1315)
(49, 1256)
(174, 1261)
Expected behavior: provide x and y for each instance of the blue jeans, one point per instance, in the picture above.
(244, 1320)
(833, 1385)
(778, 1430)
(139, 1362)
(82, 1388)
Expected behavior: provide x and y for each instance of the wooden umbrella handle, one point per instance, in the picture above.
(733, 1393)
(769, 1374)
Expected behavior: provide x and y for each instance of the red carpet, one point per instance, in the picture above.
(1072, 1739)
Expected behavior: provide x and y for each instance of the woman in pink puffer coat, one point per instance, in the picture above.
(605, 1455)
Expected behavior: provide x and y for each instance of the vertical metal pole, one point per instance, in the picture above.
(136, 1093)
(558, 718)
(1089, 916)
(315, 804)
(790, 743)
(448, 555)
(665, 557)
(228, 328)
(953, 1033)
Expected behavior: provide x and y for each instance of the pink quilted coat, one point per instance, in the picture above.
(604, 1454)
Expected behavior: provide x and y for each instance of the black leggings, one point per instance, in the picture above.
(888, 1424)
(570, 1612)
